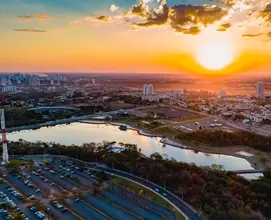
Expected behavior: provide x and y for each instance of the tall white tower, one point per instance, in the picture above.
(3, 130)
(259, 90)
(150, 89)
(145, 89)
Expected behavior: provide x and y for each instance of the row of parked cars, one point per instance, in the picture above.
(15, 193)
(38, 213)
(38, 174)
(58, 206)
(6, 200)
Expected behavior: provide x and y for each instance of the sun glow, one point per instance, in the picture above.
(215, 54)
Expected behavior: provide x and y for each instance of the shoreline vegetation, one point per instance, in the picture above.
(220, 194)
(259, 160)
(198, 141)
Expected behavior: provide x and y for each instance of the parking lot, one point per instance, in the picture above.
(74, 186)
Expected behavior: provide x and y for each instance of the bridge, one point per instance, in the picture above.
(247, 171)
(52, 108)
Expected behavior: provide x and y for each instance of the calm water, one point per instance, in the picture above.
(79, 133)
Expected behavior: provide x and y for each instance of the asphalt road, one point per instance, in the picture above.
(108, 208)
(187, 210)
(139, 211)
(140, 200)
(85, 211)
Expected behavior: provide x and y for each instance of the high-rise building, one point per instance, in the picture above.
(145, 89)
(259, 90)
(222, 93)
(148, 93)
(150, 89)
(93, 81)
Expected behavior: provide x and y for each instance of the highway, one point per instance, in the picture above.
(184, 207)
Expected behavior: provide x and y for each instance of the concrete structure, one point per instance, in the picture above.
(145, 89)
(150, 89)
(8, 89)
(222, 94)
(260, 90)
(93, 81)
(148, 93)
(3, 130)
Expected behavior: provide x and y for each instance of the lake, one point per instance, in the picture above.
(79, 133)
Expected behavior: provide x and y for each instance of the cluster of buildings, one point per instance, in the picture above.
(148, 93)
(259, 94)
(10, 82)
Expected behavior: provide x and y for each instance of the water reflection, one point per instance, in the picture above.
(79, 133)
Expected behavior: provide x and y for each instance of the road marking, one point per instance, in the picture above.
(124, 209)
(186, 217)
(97, 210)
(145, 207)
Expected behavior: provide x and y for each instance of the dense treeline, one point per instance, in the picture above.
(224, 138)
(221, 195)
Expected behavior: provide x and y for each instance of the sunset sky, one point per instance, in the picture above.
(214, 37)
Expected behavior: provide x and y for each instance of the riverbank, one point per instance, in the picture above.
(253, 156)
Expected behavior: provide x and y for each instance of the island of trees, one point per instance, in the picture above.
(219, 194)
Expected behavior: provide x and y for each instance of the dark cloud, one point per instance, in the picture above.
(252, 35)
(266, 13)
(40, 17)
(156, 16)
(224, 27)
(140, 10)
(182, 18)
(30, 30)
(192, 30)
(196, 14)
(103, 18)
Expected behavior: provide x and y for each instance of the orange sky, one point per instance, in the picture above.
(146, 39)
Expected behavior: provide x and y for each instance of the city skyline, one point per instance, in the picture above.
(198, 37)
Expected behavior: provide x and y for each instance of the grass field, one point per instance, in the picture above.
(19, 162)
(136, 188)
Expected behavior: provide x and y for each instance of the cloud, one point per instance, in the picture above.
(252, 35)
(114, 8)
(266, 13)
(103, 18)
(140, 10)
(30, 30)
(182, 18)
(196, 14)
(224, 27)
(40, 17)
(192, 30)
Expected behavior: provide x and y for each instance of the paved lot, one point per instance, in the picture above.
(19, 203)
(123, 202)
(85, 211)
(108, 208)
(45, 185)
(19, 184)
(64, 182)
(140, 200)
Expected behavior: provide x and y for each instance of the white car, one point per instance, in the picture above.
(3, 211)
(157, 190)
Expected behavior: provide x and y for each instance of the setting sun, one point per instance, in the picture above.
(215, 55)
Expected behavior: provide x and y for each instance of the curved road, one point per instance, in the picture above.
(184, 207)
